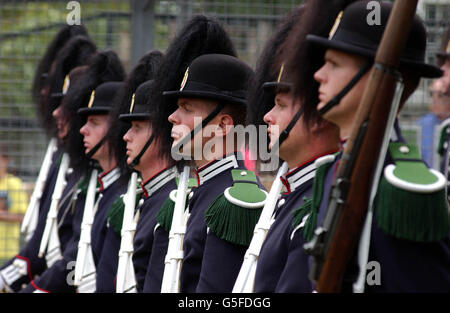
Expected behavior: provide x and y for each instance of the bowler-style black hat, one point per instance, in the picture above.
(139, 109)
(355, 32)
(217, 77)
(102, 99)
(279, 85)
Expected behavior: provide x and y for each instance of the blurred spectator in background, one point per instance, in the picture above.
(439, 111)
(13, 204)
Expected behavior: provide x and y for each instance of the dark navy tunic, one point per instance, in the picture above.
(29, 253)
(406, 266)
(105, 242)
(60, 276)
(210, 264)
(155, 192)
(282, 266)
(107, 267)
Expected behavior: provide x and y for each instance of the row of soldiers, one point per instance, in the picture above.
(116, 211)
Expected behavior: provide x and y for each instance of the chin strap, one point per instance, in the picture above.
(139, 156)
(196, 129)
(285, 133)
(363, 70)
(96, 147)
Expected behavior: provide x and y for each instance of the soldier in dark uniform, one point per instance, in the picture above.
(282, 265)
(200, 35)
(158, 180)
(104, 66)
(27, 264)
(409, 236)
(220, 225)
(104, 243)
(120, 118)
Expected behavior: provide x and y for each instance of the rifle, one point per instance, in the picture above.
(174, 256)
(246, 277)
(126, 279)
(50, 244)
(31, 216)
(85, 267)
(333, 243)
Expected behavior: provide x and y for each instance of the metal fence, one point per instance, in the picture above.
(130, 28)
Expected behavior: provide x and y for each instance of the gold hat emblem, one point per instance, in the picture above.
(280, 73)
(66, 85)
(335, 25)
(183, 82)
(448, 47)
(132, 103)
(91, 100)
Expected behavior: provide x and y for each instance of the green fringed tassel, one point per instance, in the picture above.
(230, 222)
(311, 205)
(311, 222)
(165, 214)
(59, 160)
(114, 217)
(84, 184)
(413, 216)
(310, 225)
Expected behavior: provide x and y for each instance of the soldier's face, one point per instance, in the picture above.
(446, 77)
(189, 114)
(93, 131)
(339, 68)
(278, 119)
(136, 137)
(440, 102)
(62, 125)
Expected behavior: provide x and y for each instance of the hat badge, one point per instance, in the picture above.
(183, 82)
(132, 103)
(335, 25)
(91, 100)
(66, 85)
(280, 73)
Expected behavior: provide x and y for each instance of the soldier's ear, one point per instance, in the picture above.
(225, 125)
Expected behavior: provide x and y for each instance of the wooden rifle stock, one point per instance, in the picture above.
(356, 168)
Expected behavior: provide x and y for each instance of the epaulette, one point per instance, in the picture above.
(114, 217)
(443, 136)
(59, 159)
(83, 184)
(305, 216)
(233, 215)
(165, 213)
(411, 199)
